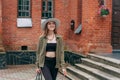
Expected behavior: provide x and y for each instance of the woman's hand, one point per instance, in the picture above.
(38, 70)
(64, 72)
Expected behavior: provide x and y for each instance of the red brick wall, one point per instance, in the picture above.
(96, 35)
(1, 42)
(95, 30)
(75, 12)
(15, 37)
(66, 11)
(0, 17)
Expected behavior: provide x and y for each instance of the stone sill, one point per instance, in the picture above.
(21, 51)
(24, 22)
(78, 53)
(2, 52)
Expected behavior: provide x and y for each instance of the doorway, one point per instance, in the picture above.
(116, 25)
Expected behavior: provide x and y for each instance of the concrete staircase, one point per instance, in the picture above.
(95, 67)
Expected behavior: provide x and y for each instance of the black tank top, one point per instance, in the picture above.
(51, 47)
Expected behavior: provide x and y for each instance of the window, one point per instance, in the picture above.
(47, 9)
(24, 47)
(24, 8)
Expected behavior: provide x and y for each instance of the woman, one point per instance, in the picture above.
(50, 53)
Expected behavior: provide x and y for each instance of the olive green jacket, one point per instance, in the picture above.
(41, 50)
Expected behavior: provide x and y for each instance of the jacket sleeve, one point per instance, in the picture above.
(62, 54)
(38, 51)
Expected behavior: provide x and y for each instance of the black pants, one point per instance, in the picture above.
(49, 71)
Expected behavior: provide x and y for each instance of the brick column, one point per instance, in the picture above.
(1, 44)
(2, 50)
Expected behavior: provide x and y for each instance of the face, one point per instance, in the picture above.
(51, 25)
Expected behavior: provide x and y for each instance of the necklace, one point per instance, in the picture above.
(51, 38)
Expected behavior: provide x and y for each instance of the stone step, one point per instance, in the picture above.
(116, 51)
(72, 77)
(101, 66)
(80, 74)
(95, 72)
(106, 60)
(69, 76)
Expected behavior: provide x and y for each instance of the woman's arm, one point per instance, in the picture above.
(62, 58)
(62, 55)
(38, 51)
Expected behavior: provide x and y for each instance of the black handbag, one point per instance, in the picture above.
(38, 76)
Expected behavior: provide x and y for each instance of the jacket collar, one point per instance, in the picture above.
(57, 36)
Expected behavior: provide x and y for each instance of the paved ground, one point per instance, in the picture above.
(22, 72)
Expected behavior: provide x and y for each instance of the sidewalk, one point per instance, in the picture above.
(22, 72)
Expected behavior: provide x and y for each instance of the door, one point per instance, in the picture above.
(116, 24)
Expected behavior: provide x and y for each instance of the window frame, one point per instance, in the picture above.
(29, 11)
(46, 7)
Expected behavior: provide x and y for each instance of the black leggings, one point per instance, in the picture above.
(49, 71)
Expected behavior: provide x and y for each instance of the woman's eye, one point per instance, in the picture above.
(48, 23)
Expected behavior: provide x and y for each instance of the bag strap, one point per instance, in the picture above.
(39, 75)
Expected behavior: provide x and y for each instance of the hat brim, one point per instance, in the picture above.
(57, 21)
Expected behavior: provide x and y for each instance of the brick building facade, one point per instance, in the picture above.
(95, 35)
